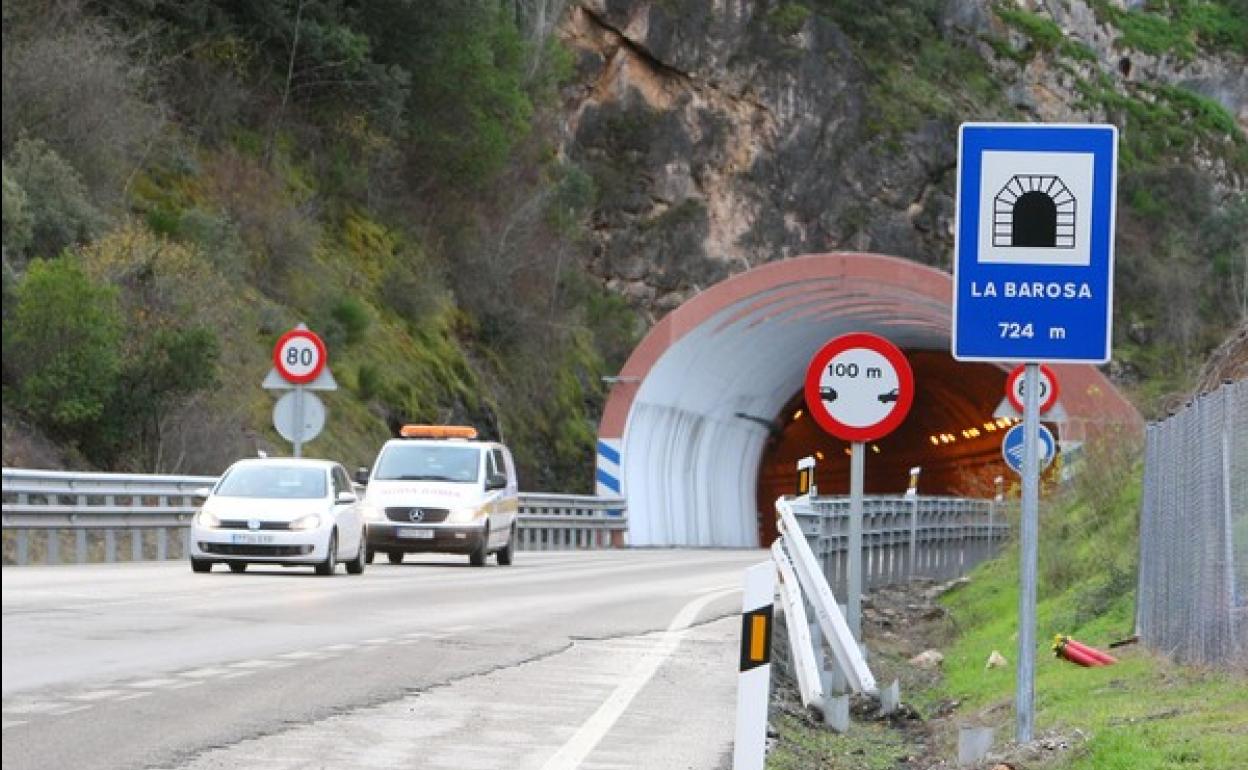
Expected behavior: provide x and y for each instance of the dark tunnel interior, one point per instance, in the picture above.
(950, 433)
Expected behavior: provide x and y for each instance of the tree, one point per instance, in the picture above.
(62, 347)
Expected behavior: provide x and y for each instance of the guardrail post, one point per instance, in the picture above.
(162, 544)
(136, 544)
(54, 546)
(110, 546)
(23, 547)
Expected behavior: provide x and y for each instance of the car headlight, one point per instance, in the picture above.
(465, 515)
(207, 520)
(311, 521)
(373, 513)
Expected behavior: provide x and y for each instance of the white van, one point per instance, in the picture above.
(438, 490)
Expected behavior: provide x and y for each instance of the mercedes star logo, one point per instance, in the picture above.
(416, 514)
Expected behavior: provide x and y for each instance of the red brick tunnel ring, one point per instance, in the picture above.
(703, 427)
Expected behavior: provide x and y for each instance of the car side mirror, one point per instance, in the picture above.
(496, 481)
(361, 475)
(346, 498)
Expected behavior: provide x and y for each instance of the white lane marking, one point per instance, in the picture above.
(302, 655)
(237, 674)
(148, 684)
(407, 641)
(379, 640)
(204, 673)
(579, 746)
(70, 709)
(417, 634)
(458, 629)
(97, 695)
(254, 663)
(184, 685)
(13, 723)
(38, 707)
(339, 647)
(134, 696)
(713, 589)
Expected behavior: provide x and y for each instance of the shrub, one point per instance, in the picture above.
(18, 223)
(70, 84)
(354, 317)
(56, 203)
(62, 347)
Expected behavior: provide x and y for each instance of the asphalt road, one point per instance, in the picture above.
(613, 659)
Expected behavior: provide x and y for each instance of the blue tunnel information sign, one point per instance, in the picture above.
(1034, 243)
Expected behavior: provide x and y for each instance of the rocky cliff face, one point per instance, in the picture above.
(726, 133)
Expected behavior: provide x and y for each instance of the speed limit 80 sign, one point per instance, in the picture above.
(299, 356)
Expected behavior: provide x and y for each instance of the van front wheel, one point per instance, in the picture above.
(477, 557)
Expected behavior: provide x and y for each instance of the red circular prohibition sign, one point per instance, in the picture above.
(905, 387)
(318, 365)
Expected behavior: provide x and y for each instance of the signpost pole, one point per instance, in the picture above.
(298, 441)
(1024, 696)
(854, 590)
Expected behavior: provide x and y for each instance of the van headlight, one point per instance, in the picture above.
(207, 520)
(311, 521)
(372, 512)
(465, 515)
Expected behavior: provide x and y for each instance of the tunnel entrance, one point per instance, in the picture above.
(705, 422)
(950, 434)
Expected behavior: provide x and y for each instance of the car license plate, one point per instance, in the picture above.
(416, 534)
(252, 539)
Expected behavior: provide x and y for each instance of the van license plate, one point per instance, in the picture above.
(416, 534)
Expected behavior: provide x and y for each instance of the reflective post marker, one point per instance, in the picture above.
(912, 492)
(854, 579)
(754, 683)
(1024, 696)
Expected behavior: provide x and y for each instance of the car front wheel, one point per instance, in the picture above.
(201, 565)
(331, 556)
(395, 557)
(356, 565)
(238, 566)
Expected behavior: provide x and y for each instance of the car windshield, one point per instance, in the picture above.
(286, 482)
(424, 462)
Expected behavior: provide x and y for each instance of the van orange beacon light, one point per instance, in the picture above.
(438, 431)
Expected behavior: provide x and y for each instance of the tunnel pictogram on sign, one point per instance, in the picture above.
(1034, 210)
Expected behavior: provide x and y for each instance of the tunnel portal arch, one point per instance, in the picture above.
(703, 423)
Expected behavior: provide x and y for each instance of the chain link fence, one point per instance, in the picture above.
(1192, 598)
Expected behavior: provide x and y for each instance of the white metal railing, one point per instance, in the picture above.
(903, 537)
(90, 514)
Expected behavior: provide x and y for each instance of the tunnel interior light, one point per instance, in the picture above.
(990, 426)
(875, 448)
(934, 440)
(819, 454)
(797, 415)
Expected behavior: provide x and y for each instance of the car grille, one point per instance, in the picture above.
(234, 549)
(429, 515)
(242, 524)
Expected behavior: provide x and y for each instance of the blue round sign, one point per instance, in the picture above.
(1012, 448)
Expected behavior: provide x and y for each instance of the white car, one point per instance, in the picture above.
(280, 511)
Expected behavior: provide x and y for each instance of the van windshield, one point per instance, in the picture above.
(273, 481)
(425, 462)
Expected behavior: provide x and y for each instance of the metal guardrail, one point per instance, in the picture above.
(903, 537)
(91, 514)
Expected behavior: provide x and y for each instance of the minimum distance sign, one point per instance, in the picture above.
(859, 387)
(299, 356)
